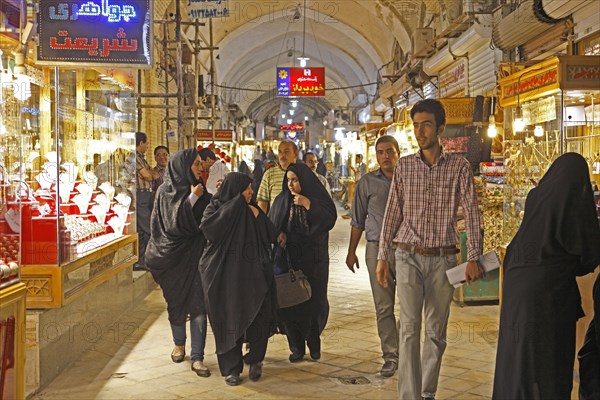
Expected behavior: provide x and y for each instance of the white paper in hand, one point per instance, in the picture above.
(489, 261)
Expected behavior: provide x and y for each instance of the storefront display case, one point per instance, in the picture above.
(78, 189)
(12, 290)
(549, 108)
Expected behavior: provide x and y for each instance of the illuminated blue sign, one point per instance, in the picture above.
(95, 32)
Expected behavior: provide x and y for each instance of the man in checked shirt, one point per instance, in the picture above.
(420, 220)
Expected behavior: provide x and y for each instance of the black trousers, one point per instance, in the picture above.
(257, 335)
(143, 205)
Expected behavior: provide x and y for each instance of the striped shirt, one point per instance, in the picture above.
(271, 184)
(141, 163)
(158, 181)
(422, 206)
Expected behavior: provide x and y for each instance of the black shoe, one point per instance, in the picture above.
(255, 371)
(296, 357)
(428, 398)
(315, 355)
(314, 347)
(233, 379)
(140, 267)
(389, 368)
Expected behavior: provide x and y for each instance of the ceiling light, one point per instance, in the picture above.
(291, 111)
(303, 61)
(289, 121)
(306, 117)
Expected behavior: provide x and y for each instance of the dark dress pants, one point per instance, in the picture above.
(257, 335)
(144, 204)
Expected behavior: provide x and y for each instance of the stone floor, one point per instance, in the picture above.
(132, 361)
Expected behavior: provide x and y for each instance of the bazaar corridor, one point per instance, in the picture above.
(133, 361)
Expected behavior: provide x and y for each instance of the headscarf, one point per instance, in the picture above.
(244, 169)
(285, 215)
(176, 242)
(234, 263)
(258, 171)
(560, 225)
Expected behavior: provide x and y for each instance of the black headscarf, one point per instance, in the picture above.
(235, 265)
(244, 169)
(176, 242)
(560, 225)
(285, 215)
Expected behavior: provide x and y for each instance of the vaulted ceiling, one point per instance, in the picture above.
(352, 39)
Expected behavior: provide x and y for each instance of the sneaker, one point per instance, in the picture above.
(255, 371)
(389, 368)
(233, 379)
(200, 369)
(178, 354)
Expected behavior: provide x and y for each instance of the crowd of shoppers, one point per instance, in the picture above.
(213, 257)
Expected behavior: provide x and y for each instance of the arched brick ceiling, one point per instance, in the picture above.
(352, 39)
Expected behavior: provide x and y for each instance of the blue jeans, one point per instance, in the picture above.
(198, 334)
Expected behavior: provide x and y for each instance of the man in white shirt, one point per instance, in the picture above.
(216, 170)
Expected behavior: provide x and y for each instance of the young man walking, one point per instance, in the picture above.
(420, 219)
(367, 215)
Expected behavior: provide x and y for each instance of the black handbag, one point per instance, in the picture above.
(293, 287)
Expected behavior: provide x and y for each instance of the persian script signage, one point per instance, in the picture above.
(300, 82)
(221, 135)
(207, 8)
(97, 32)
(580, 72)
(452, 80)
(536, 82)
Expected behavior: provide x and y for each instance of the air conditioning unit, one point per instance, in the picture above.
(421, 39)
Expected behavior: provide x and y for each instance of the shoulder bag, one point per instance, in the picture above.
(292, 286)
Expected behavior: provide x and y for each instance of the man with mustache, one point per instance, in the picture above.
(272, 181)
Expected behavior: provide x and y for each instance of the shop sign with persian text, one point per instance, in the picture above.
(528, 84)
(300, 82)
(95, 32)
(207, 134)
(202, 9)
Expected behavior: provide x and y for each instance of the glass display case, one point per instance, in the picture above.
(80, 169)
(11, 175)
(549, 108)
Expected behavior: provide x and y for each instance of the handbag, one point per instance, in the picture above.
(293, 287)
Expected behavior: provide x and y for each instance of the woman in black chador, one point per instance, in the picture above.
(174, 250)
(558, 240)
(237, 276)
(304, 214)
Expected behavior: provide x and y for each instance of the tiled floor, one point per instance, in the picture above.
(133, 361)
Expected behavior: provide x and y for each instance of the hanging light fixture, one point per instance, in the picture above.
(519, 122)
(303, 59)
(491, 131)
(538, 131)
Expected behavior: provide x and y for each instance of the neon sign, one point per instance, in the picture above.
(95, 32)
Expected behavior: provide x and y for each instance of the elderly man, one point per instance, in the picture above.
(310, 159)
(272, 181)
